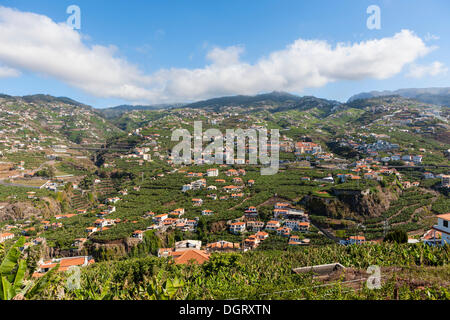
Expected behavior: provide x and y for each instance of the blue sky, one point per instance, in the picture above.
(159, 35)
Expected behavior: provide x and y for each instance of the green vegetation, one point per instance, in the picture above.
(258, 275)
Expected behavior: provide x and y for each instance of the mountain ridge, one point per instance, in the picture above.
(433, 95)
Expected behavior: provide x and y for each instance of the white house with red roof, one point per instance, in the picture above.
(237, 227)
(138, 234)
(273, 225)
(64, 264)
(6, 236)
(160, 218)
(443, 227)
(356, 240)
(213, 172)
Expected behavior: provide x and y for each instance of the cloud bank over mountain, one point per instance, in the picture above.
(35, 43)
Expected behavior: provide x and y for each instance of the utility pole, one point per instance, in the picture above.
(385, 227)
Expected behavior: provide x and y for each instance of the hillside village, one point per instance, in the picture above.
(83, 189)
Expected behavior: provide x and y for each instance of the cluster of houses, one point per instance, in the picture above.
(235, 190)
(307, 151)
(367, 170)
(380, 145)
(307, 148)
(439, 235)
(408, 159)
(172, 220)
(373, 149)
(286, 219)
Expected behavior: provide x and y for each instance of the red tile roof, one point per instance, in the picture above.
(445, 216)
(188, 256)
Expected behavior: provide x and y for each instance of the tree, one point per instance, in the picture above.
(396, 163)
(47, 172)
(398, 236)
(68, 187)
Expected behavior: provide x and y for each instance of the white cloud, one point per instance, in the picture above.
(6, 72)
(420, 71)
(303, 64)
(35, 43)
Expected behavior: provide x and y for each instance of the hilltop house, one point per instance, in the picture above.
(261, 235)
(431, 237)
(213, 172)
(6, 236)
(297, 225)
(101, 223)
(307, 147)
(282, 205)
(164, 252)
(443, 227)
(207, 212)
(445, 181)
(222, 246)
(160, 218)
(64, 264)
(138, 234)
(191, 224)
(186, 187)
(273, 225)
(190, 256)
(188, 244)
(197, 202)
(284, 231)
(90, 229)
(356, 240)
(177, 212)
(251, 242)
(255, 225)
(237, 227)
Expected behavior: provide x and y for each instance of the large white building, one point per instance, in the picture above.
(443, 227)
(213, 172)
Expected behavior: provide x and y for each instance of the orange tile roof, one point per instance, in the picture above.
(185, 257)
(282, 204)
(7, 234)
(223, 245)
(165, 250)
(72, 262)
(445, 216)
